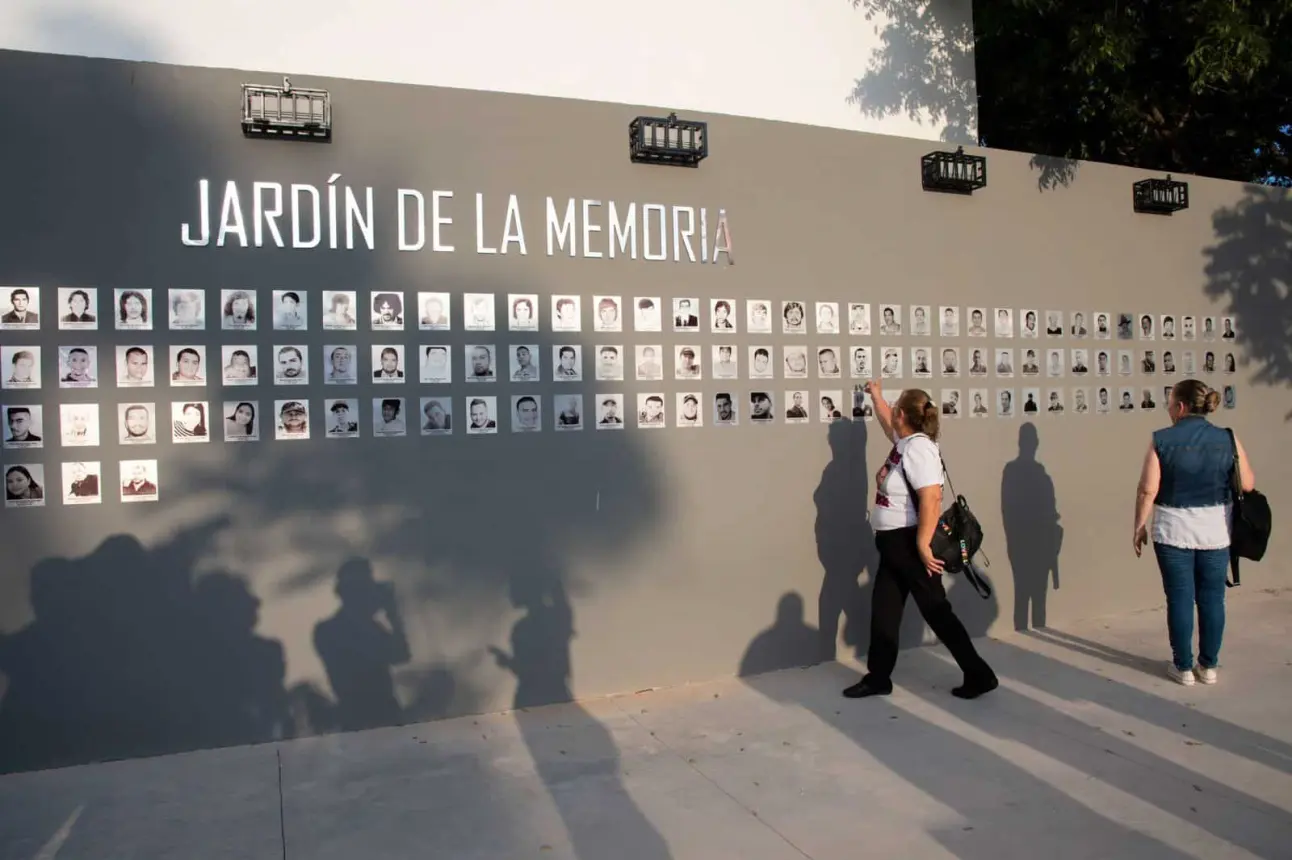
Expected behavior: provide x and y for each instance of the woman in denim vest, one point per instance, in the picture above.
(1184, 507)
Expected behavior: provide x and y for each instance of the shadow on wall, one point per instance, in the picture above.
(137, 650)
(1033, 536)
(1249, 271)
(924, 68)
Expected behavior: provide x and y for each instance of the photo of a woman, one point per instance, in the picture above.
(22, 486)
(239, 310)
(132, 309)
(188, 422)
(240, 422)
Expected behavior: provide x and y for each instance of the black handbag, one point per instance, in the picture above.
(958, 536)
(1249, 533)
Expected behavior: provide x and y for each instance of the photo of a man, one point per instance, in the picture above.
(19, 309)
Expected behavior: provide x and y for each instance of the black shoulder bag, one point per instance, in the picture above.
(957, 537)
(1249, 535)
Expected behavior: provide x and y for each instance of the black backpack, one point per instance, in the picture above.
(1249, 536)
(958, 536)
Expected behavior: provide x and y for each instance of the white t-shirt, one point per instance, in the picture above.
(894, 508)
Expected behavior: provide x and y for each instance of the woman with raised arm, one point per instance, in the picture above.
(1184, 506)
(908, 504)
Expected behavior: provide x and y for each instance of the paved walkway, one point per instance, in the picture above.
(1085, 752)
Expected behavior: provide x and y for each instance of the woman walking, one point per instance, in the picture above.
(908, 503)
(1184, 507)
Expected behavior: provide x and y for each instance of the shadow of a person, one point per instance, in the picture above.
(1033, 536)
(583, 778)
(845, 544)
(359, 652)
(790, 641)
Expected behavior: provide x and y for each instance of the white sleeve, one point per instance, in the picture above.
(923, 463)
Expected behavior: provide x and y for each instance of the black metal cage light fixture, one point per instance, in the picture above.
(286, 112)
(953, 172)
(668, 140)
(1160, 196)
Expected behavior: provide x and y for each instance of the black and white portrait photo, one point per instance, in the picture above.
(1126, 400)
(19, 308)
(388, 363)
(650, 411)
(1147, 329)
(827, 363)
(649, 366)
(478, 311)
(1005, 324)
(482, 415)
(1080, 327)
(238, 364)
(339, 310)
(948, 321)
(921, 365)
(78, 308)
(1188, 328)
(978, 362)
(1125, 362)
(133, 309)
(568, 412)
(859, 366)
(1103, 325)
(686, 362)
(1188, 362)
(24, 486)
(610, 362)
(1208, 329)
(78, 367)
(1104, 362)
(1147, 401)
(135, 423)
(1168, 362)
(387, 311)
(1031, 401)
(241, 421)
(610, 412)
(20, 366)
(81, 483)
(607, 314)
(760, 407)
(1005, 363)
(1103, 400)
(435, 312)
(758, 316)
(291, 310)
(1227, 331)
(437, 364)
(760, 362)
(725, 413)
(647, 315)
(1054, 323)
(1054, 404)
(977, 322)
(480, 362)
(724, 361)
(291, 419)
(1031, 365)
(187, 365)
(949, 401)
(1230, 397)
(388, 417)
(1125, 326)
(890, 320)
(796, 362)
(342, 417)
(79, 424)
(1054, 363)
(686, 314)
(859, 318)
(793, 318)
(567, 362)
(1080, 362)
(524, 362)
(139, 481)
(187, 310)
(949, 362)
(827, 317)
(891, 363)
(978, 403)
(1031, 327)
(437, 416)
(135, 366)
(1005, 403)
(722, 319)
(1080, 401)
(291, 365)
(340, 364)
(920, 325)
(829, 406)
(863, 406)
(526, 413)
(1167, 326)
(567, 313)
(688, 409)
(24, 426)
(522, 312)
(1231, 365)
(1148, 362)
(189, 422)
(238, 310)
(796, 407)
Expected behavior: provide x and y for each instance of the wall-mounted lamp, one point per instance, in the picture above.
(286, 112)
(669, 140)
(953, 172)
(1160, 196)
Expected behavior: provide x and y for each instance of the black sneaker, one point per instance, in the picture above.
(972, 688)
(868, 687)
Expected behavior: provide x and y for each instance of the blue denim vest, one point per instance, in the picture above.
(1197, 460)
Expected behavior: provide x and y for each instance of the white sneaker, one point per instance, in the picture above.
(1205, 675)
(1184, 677)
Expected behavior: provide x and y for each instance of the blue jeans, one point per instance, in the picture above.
(1189, 577)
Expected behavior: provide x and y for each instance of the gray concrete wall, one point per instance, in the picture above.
(605, 561)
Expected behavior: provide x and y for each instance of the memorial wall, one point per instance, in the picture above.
(464, 411)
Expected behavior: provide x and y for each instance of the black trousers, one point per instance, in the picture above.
(901, 573)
